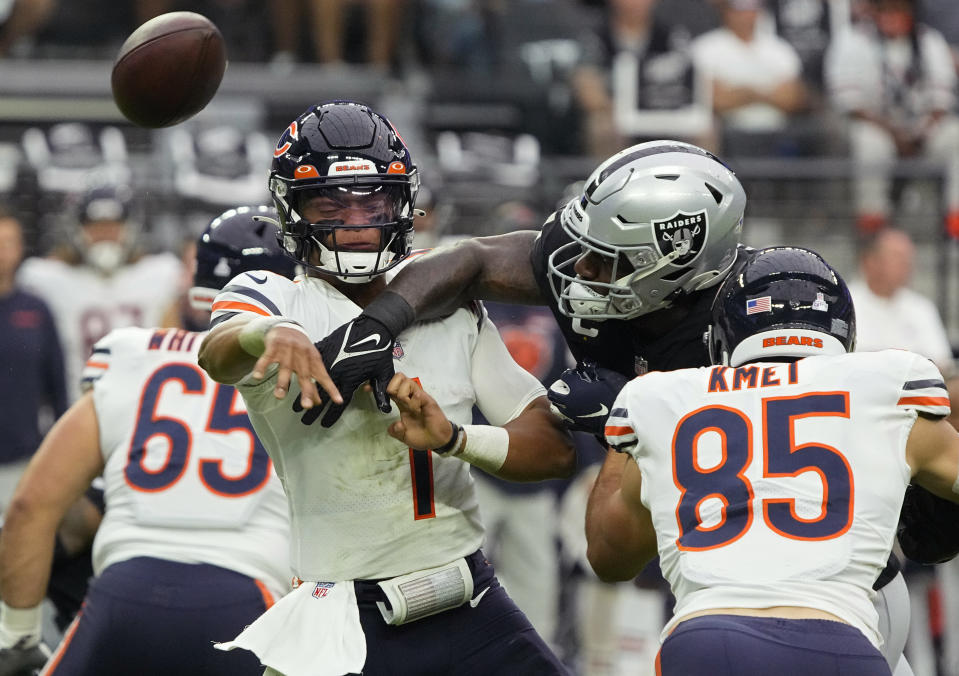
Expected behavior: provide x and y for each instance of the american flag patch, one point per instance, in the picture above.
(322, 589)
(754, 305)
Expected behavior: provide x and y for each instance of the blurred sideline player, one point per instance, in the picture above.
(386, 534)
(629, 268)
(99, 281)
(194, 540)
(770, 485)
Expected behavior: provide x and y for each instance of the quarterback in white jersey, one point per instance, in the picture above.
(770, 485)
(385, 532)
(193, 544)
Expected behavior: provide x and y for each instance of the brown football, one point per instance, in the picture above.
(168, 69)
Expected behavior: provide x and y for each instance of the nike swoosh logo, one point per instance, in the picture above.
(479, 597)
(256, 279)
(375, 337)
(343, 354)
(602, 411)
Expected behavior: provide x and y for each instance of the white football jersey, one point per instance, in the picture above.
(185, 477)
(87, 305)
(777, 484)
(362, 504)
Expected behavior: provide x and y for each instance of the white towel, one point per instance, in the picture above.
(312, 631)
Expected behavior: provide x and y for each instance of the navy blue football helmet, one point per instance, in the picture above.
(783, 302)
(238, 240)
(336, 150)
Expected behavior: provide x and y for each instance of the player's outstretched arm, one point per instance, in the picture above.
(932, 452)
(245, 345)
(496, 268)
(61, 470)
(429, 287)
(619, 529)
(531, 447)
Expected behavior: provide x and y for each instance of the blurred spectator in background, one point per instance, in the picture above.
(943, 15)
(31, 364)
(21, 19)
(808, 25)
(457, 34)
(756, 80)
(891, 315)
(99, 280)
(630, 26)
(329, 23)
(895, 79)
(888, 313)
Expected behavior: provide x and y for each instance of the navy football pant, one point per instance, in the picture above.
(148, 616)
(494, 637)
(731, 645)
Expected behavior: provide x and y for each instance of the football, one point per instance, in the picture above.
(168, 69)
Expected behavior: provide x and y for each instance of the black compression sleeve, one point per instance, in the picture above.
(392, 311)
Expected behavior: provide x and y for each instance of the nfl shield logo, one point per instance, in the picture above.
(683, 233)
(398, 352)
(322, 589)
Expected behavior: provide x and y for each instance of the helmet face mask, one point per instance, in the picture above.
(785, 302)
(342, 156)
(105, 239)
(665, 216)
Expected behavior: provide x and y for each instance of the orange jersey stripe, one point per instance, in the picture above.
(236, 305)
(98, 364)
(54, 660)
(615, 431)
(268, 599)
(923, 401)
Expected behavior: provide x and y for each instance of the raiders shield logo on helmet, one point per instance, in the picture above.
(683, 233)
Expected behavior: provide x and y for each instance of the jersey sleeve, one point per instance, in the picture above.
(620, 433)
(258, 293)
(109, 352)
(924, 389)
(503, 388)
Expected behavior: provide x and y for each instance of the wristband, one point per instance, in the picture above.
(17, 623)
(392, 311)
(452, 447)
(486, 447)
(252, 337)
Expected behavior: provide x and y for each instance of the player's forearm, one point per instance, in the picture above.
(26, 553)
(221, 354)
(485, 268)
(606, 550)
(540, 447)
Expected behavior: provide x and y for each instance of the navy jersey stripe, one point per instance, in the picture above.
(222, 318)
(255, 295)
(923, 384)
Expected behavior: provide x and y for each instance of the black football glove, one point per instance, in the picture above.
(928, 527)
(21, 660)
(583, 397)
(357, 352)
